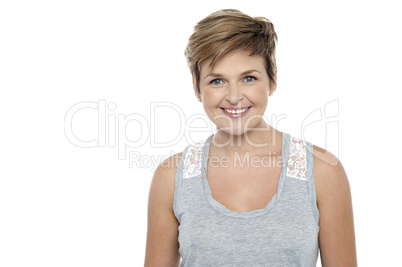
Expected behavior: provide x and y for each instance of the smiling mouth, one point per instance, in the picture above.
(235, 110)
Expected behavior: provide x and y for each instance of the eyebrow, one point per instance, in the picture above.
(241, 74)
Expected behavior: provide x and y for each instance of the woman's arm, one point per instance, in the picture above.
(162, 247)
(337, 236)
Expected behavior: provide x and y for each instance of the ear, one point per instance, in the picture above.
(197, 95)
(273, 85)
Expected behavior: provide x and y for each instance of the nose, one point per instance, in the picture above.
(233, 94)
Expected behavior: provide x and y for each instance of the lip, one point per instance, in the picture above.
(236, 108)
(235, 116)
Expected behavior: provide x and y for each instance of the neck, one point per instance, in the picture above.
(262, 140)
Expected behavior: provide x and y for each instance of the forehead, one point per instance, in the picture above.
(234, 62)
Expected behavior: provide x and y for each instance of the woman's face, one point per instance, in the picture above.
(235, 92)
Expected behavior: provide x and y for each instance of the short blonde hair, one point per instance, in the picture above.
(229, 30)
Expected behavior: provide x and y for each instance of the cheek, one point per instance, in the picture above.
(260, 94)
(211, 98)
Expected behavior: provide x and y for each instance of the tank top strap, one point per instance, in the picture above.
(189, 166)
(310, 180)
(300, 165)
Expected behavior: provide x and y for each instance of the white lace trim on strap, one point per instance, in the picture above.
(297, 161)
(193, 160)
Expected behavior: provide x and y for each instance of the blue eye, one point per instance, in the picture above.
(216, 82)
(249, 79)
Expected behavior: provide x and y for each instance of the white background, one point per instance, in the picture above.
(64, 205)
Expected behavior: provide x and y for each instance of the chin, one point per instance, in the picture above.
(234, 132)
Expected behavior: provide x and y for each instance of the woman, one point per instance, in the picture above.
(249, 195)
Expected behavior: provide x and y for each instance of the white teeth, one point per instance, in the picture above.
(238, 111)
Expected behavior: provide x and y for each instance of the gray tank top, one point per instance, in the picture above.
(284, 233)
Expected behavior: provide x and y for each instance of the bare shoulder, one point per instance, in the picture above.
(162, 248)
(169, 165)
(334, 201)
(329, 173)
(163, 181)
(326, 162)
